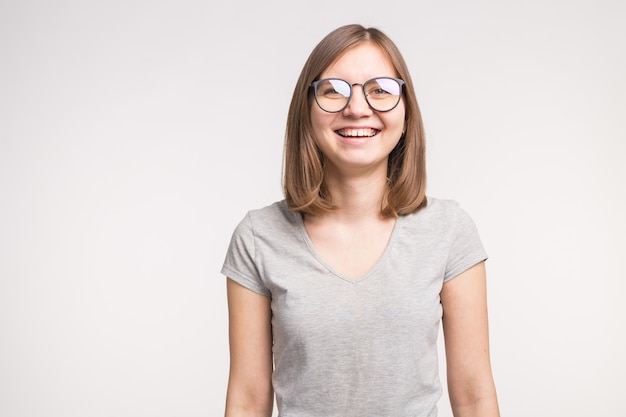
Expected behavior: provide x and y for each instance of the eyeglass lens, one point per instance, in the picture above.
(382, 94)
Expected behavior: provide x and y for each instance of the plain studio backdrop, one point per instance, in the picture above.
(135, 135)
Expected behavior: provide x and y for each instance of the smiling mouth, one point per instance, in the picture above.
(357, 133)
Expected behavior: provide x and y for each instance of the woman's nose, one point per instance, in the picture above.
(358, 106)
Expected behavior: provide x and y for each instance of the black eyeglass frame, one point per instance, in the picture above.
(314, 85)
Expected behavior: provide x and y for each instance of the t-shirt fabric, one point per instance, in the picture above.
(364, 347)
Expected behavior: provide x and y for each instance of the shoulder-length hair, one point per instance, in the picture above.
(303, 166)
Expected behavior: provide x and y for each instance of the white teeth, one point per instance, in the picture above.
(357, 132)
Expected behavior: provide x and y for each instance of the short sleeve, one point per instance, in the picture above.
(466, 248)
(240, 263)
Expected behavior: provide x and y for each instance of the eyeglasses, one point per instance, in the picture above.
(333, 94)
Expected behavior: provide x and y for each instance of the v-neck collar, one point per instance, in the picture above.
(307, 240)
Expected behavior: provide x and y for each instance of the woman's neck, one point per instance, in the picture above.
(357, 197)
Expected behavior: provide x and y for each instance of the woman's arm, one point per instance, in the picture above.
(470, 382)
(250, 392)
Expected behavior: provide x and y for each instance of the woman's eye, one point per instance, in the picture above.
(378, 92)
(332, 93)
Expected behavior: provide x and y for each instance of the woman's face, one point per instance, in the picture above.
(358, 138)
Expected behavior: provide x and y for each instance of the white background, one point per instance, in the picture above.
(134, 135)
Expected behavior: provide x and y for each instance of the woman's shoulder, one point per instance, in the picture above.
(436, 207)
(273, 215)
(277, 208)
(439, 213)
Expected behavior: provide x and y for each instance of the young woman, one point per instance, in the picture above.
(336, 293)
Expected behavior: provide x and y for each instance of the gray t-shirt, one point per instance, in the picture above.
(363, 347)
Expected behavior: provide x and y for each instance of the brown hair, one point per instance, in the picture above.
(303, 170)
